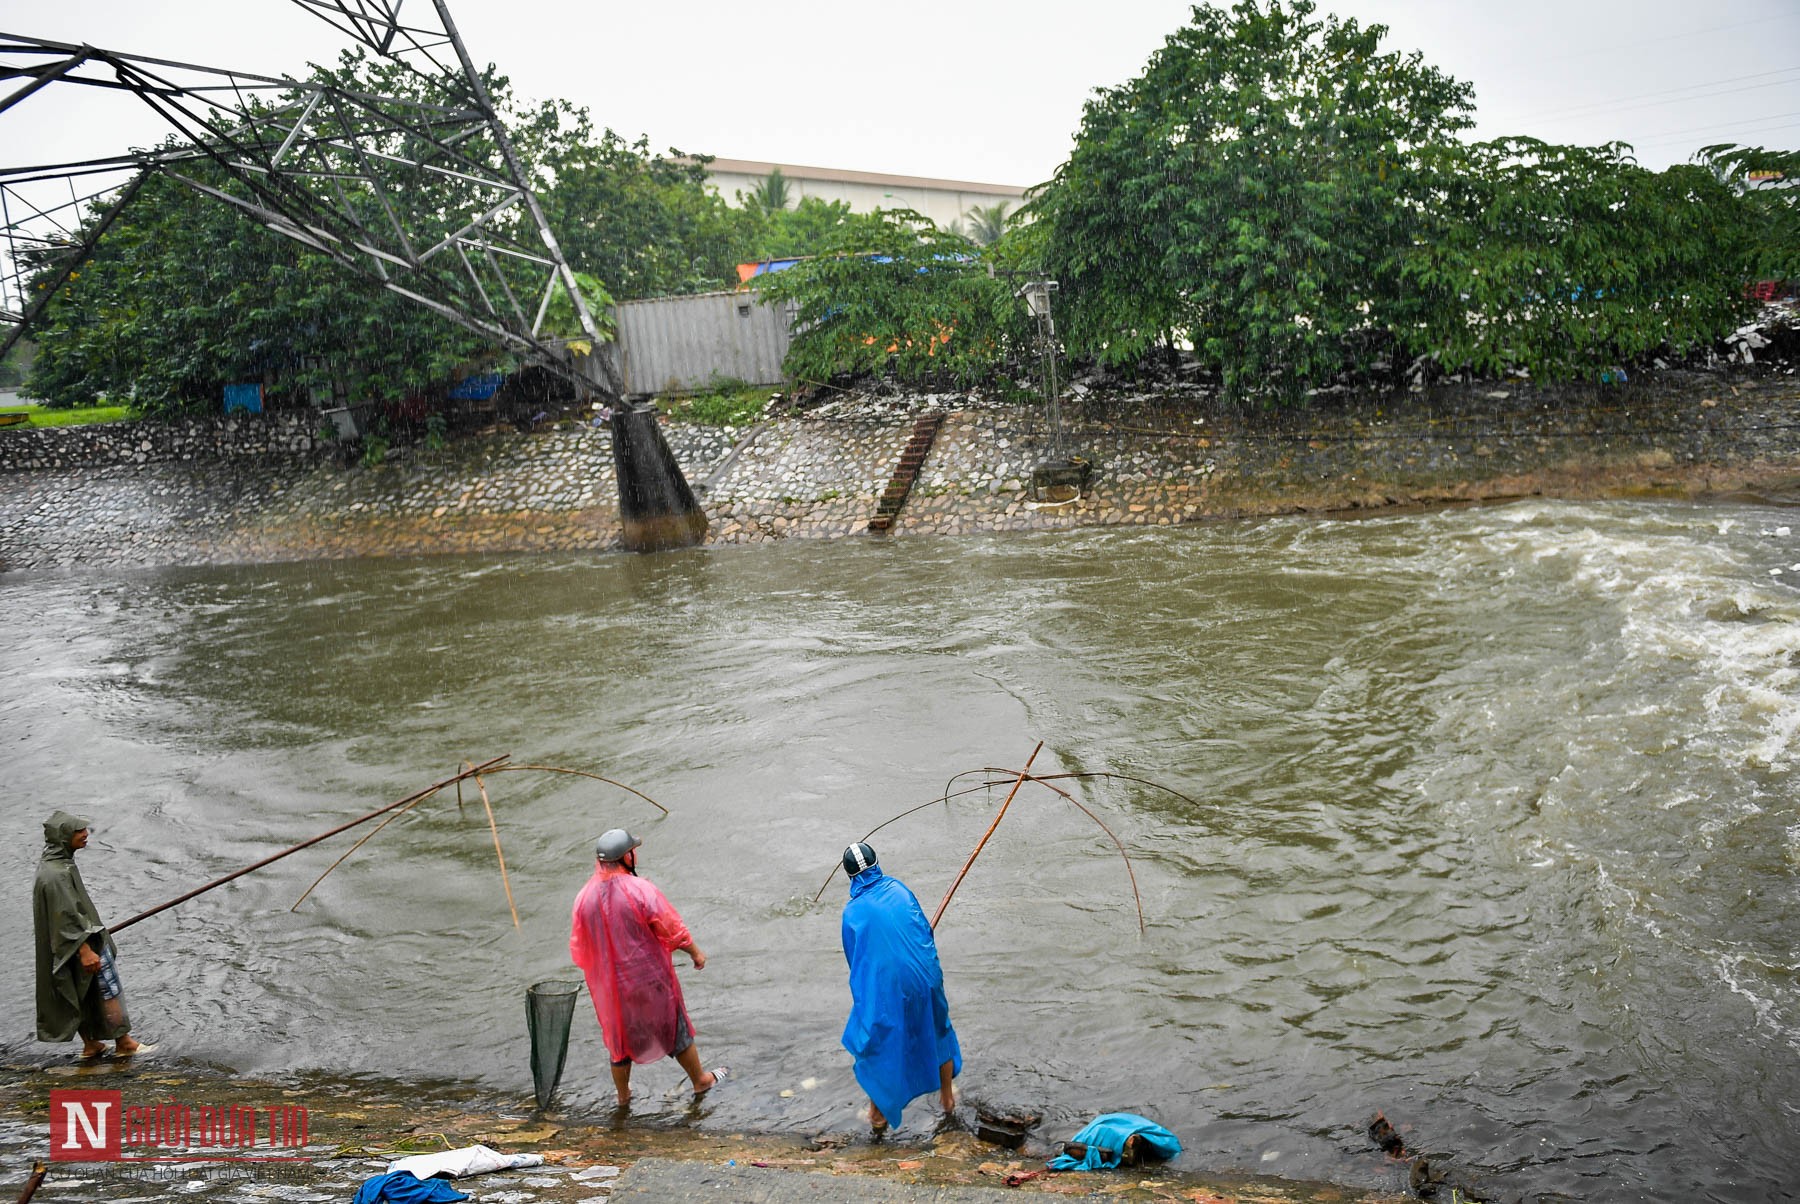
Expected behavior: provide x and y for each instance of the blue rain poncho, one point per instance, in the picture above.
(899, 1028)
(1105, 1138)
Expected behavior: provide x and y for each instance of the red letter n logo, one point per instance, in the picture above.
(84, 1126)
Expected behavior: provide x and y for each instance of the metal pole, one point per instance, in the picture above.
(47, 78)
(1047, 349)
(517, 168)
(29, 314)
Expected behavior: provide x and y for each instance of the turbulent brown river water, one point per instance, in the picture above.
(1494, 823)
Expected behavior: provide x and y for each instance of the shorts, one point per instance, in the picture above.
(683, 1039)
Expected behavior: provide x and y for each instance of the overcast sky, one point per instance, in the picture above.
(975, 90)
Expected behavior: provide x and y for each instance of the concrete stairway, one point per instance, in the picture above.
(925, 432)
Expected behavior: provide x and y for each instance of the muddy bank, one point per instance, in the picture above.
(353, 1128)
(1160, 456)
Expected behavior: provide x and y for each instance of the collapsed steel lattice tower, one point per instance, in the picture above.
(335, 169)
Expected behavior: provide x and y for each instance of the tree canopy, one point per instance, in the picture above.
(184, 295)
(1254, 190)
(891, 290)
(1568, 261)
(1274, 189)
(644, 224)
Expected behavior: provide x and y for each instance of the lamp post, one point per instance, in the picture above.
(1036, 294)
(1062, 478)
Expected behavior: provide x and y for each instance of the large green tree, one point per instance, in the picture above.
(645, 224)
(1255, 190)
(1768, 181)
(811, 227)
(1567, 261)
(184, 295)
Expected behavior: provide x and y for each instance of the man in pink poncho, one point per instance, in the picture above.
(623, 937)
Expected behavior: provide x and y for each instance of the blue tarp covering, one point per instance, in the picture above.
(243, 397)
(762, 267)
(899, 1027)
(476, 388)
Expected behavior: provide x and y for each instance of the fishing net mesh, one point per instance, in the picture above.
(549, 1012)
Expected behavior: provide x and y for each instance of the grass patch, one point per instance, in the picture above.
(730, 403)
(45, 416)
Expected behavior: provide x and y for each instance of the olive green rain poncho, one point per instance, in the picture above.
(64, 918)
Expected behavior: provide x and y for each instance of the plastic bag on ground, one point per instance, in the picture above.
(470, 1160)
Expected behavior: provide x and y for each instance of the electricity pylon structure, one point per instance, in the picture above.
(422, 193)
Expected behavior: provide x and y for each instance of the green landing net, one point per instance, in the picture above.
(549, 1012)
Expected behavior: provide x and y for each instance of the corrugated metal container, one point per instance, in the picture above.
(685, 344)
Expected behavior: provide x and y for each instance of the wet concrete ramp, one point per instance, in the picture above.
(664, 1181)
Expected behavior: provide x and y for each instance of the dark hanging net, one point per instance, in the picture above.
(549, 1011)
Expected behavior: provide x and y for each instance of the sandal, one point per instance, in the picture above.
(719, 1074)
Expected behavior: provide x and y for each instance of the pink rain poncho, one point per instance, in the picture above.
(622, 936)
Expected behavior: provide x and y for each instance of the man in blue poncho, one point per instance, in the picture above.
(899, 1028)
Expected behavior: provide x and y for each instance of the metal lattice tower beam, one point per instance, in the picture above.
(341, 171)
(330, 167)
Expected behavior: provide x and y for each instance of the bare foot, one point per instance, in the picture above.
(877, 1121)
(624, 1100)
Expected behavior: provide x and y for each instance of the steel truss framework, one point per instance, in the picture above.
(424, 193)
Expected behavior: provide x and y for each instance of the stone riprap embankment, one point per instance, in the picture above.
(285, 436)
(1164, 457)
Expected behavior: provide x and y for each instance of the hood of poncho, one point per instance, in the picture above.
(59, 830)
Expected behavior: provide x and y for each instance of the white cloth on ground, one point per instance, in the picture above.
(470, 1160)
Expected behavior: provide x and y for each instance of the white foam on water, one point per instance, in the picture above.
(1730, 968)
(1688, 595)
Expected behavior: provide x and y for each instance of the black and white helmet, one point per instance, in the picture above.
(857, 858)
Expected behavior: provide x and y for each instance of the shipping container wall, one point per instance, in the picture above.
(686, 344)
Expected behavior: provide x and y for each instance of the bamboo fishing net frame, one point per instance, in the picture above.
(476, 772)
(1017, 778)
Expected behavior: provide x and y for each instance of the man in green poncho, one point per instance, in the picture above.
(77, 983)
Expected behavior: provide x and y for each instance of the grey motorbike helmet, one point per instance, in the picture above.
(857, 858)
(614, 844)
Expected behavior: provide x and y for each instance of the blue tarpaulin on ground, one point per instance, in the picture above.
(1105, 1138)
